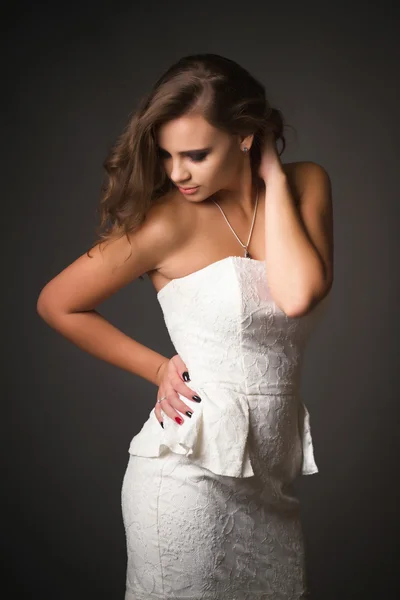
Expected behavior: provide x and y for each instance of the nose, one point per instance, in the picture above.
(179, 173)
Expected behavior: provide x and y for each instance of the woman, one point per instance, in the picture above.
(239, 248)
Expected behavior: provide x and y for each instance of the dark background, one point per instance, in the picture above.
(73, 74)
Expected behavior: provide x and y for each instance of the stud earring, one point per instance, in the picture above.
(245, 149)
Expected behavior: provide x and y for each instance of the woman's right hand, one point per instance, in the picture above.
(170, 379)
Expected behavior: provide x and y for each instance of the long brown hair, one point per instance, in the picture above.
(226, 95)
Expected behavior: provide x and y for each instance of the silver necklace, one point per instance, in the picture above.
(245, 246)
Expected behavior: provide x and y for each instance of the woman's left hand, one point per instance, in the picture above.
(270, 160)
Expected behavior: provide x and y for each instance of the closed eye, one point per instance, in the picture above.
(198, 157)
(194, 156)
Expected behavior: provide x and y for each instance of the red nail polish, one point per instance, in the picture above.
(178, 420)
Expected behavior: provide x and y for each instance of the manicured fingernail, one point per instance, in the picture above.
(162, 424)
(188, 413)
(197, 398)
(178, 420)
(185, 376)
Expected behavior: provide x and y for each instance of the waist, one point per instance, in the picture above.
(262, 387)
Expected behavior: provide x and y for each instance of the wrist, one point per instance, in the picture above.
(275, 175)
(160, 370)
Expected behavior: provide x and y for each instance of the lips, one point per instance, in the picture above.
(188, 191)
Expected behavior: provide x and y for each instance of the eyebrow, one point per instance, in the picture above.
(198, 151)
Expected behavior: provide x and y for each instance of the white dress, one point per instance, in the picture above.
(208, 506)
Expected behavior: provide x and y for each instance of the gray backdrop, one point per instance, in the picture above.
(74, 73)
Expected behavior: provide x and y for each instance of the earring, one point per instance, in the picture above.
(245, 149)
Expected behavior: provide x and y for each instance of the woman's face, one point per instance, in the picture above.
(197, 155)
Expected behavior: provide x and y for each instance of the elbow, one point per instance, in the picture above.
(296, 311)
(310, 292)
(302, 308)
(42, 307)
(296, 306)
(46, 308)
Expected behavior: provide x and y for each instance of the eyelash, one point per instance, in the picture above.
(194, 157)
(199, 157)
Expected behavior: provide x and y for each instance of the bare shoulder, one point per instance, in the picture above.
(166, 227)
(302, 174)
(113, 263)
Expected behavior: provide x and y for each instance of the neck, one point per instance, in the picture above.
(241, 197)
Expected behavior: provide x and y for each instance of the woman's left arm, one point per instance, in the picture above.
(298, 232)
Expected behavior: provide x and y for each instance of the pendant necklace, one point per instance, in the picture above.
(246, 252)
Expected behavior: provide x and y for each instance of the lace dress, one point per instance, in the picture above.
(208, 506)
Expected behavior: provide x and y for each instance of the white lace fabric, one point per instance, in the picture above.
(242, 351)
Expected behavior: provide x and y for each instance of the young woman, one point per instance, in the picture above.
(239, 248)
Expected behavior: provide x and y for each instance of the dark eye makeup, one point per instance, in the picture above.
(196, 156)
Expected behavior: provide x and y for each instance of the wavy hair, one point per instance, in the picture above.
(218, 88)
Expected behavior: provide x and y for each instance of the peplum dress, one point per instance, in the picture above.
(209, 508)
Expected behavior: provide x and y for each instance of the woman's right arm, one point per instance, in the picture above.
(67, 303)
